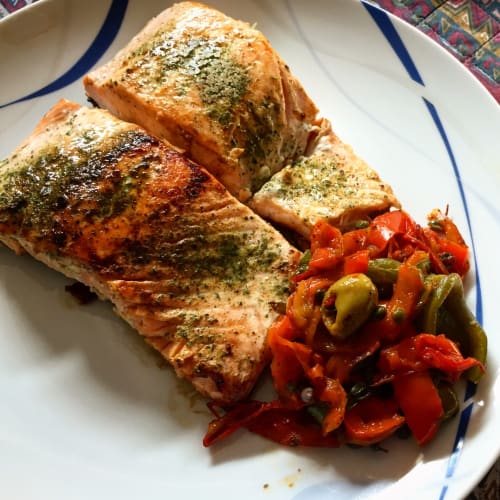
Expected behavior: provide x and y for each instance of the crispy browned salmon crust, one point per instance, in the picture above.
(187, 265)
(213, 87)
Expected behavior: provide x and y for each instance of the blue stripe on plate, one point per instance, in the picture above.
(98, 47)
(471, 388)
(346, 92)
(387, 28)
(383, 21)
(437, 121)
(457, 447)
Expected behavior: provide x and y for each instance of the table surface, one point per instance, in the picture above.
(468, 29)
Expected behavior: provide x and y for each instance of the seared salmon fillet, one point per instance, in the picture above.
(214, 88)
(331, 183)
(187, 265)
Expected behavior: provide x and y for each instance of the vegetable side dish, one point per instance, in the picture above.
(375, 334)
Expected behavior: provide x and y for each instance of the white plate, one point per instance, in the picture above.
(86, 411)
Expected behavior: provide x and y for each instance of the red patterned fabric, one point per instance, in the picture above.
(8, 6)
(469, 29)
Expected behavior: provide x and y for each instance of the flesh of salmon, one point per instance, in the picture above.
(214, 88)
(193, 270)
(330, 183)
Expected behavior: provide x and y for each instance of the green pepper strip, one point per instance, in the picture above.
(383, 271)
(447, 312)
(449, 400)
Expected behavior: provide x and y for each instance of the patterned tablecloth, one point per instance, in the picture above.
(470, 30)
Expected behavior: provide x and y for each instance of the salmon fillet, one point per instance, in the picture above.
(188, 266)
(331, 183)
(214, 88)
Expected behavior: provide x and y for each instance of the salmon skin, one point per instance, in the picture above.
(214, 88)
(193, 270)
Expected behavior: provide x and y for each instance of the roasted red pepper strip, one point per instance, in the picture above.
(223, 426)
(424, 351)
(446, 243)
(401, 358)
(324, 259)
(417, 257)
(324, 235)
(440, 352)
(357, 262)
(447, 226)
(384, 227)
(331, 391)
(401, 306)
(327, 248)
(286, 370)
(302, 302)
(459, 261)
(291, 428)
(420, 403)
(292, 362)
(356, 240)
(453, 256)
(349, 353)
(287, 426)
(372, 420)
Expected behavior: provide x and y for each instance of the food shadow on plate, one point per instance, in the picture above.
(116, 358)
(397, 459)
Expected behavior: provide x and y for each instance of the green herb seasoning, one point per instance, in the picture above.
(231, 257)
(85, 177)
(299, 180)
(192, 60)
(185, 61)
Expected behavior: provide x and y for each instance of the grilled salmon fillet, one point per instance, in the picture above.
(330, 182)
(186, 264)
(214, 88)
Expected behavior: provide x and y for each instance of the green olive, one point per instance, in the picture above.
(348, 303)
